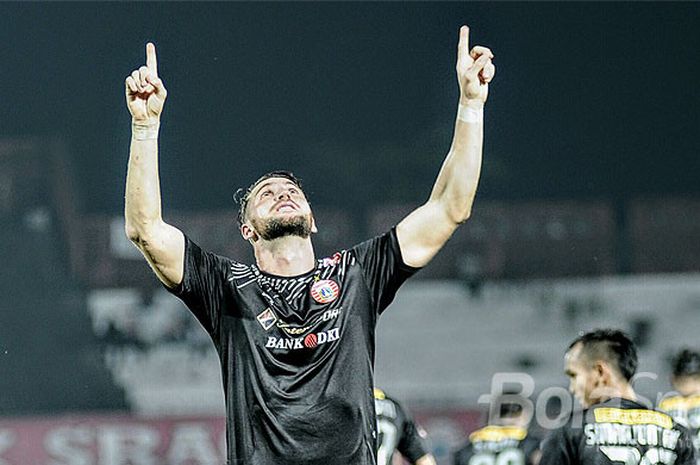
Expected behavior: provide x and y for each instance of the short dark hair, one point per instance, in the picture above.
(242, 196)
(611, 345)
(686, 363)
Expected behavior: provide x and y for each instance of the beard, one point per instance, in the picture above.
(275, 228)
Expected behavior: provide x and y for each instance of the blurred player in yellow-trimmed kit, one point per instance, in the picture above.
(399, 433)
(684, 407)
(504, 441)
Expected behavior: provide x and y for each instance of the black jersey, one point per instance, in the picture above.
(296, 353)
(397, 431)
(619, 431)
(686, 411)
(497, 445)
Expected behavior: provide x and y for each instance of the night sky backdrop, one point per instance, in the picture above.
(590, 100)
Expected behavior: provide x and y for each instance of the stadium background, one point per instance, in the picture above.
(588, 212)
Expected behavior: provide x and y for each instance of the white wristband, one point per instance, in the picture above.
(468, 114)
(144, 131)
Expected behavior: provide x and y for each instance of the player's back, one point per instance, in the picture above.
(397, 432)
(618, 431)
(686, 411)
(497, 445)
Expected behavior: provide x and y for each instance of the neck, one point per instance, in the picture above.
(285, 256)
(621, 390)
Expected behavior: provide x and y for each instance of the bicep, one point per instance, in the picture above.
(164, 249)
(424, 232)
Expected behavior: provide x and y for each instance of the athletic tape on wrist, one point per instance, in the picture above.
(141, 131)
(470, 115)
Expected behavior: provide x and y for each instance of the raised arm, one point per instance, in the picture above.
(426, 230)
(162, 245)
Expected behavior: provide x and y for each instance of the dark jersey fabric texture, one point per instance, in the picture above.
(397, 431)
(495, 444)
(619, 431)
(296, 353)
(686, 411)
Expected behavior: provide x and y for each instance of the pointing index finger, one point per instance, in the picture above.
(463, 46)
(151, 61)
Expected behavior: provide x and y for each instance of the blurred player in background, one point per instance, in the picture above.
(614, 428)
(685, 407)
(504, 441)
(397, 432)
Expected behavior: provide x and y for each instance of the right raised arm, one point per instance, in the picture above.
(162, 244)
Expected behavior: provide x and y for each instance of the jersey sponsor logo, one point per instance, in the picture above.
(267, 319)
(309, 341)
(292, 330)
(632, 417)
(495, 433)
(325, 291)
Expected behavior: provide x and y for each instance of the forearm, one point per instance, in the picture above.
(142, 203)
(456, 184)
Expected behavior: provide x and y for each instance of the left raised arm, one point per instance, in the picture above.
(424, 231)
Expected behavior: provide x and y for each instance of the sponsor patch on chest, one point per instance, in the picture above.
(310, 341)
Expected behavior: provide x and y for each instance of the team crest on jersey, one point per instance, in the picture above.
(325, 291)
(267, 319)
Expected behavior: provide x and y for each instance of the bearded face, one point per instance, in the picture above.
(277, 227)
(278, 208)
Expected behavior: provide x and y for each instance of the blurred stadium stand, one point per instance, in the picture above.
(49, 357)
(88, 327)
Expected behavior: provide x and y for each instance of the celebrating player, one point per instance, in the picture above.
(614, 427)
(295, 335)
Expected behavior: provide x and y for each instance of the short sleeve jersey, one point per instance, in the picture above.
(397, 431)
(296, 353)
(495, 444)
(619, 431)
(686, 411)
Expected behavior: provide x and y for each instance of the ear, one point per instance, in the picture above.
(314, 229)
(248, 233)
(603, 373)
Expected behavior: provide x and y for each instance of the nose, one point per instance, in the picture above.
(283, 194)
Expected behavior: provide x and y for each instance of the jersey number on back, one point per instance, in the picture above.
(387, 441)
(631, 456)
(506, 457)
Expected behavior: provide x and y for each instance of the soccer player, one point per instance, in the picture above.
(399, 433)
(505, 440)
(295, 334)
(614, 428)
(685, 407)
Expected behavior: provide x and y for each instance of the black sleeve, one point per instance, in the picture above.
(413, 444)
(530, 445)
(558, 449)
(685, 450)
(383, 267)
(202, 286)
(462, 456)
